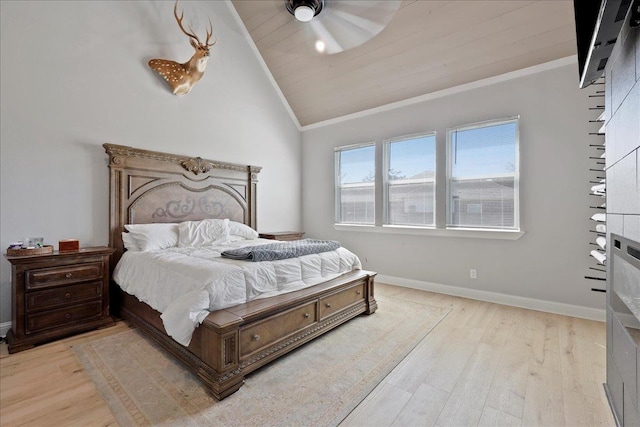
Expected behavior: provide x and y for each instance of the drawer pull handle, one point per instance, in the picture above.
(68, 275)
(256, 337)
(67, 316)
(306, 315)
(358, 292)
(67, 295)
(328, 305)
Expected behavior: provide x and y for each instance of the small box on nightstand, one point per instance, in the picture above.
(68, 245)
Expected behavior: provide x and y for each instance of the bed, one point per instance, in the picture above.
(154, 187)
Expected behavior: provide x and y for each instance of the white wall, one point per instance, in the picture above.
(74, 75)
(550, 261)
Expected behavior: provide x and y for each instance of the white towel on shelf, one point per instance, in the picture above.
(599, 217)
(599, 189)
(601, 241)
(602, 258)
(601, 228)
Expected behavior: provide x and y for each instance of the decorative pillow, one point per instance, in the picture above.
(241, 230)
(129, 242)
(151, 237)
(203, 233)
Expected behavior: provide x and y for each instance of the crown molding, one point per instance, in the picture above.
(263, 64)
(557, 63)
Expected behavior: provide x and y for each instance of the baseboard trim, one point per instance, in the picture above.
(4, 328)
(505, 299)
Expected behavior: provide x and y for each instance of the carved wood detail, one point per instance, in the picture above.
(197, 165)
(118, 153)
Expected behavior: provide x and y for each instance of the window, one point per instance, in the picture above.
(460, 182)
(482, 175)
(409, 180)
(355, 184)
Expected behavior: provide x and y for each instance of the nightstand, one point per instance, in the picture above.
(58, 294)
(283, 235)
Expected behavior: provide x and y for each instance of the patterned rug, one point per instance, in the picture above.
(318, 384)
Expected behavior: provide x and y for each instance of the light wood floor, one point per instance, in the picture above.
(485, 364)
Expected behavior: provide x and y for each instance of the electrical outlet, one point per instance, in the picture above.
(473, 273)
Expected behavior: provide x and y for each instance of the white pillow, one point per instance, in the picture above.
(151, 237)
(129, 242)
(203, 233)
(241, 230)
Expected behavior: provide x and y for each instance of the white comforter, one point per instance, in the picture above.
(184, 284)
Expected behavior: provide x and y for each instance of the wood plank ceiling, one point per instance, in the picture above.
(427, 46)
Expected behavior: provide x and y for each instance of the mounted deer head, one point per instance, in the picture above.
(182, 77)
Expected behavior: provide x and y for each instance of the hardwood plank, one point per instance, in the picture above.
(544, 403)
(412, 372)
(383, 408)
(466, 403)
(577, 365)
(493, 417)
(502, 366)
(47, 385)
(508, 386)
(583, 410)
(423, 408)
(452, 362)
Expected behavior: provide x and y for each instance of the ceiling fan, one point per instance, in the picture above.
(334, 26)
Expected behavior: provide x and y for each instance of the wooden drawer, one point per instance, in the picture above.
(338, 301)
(275, 328)
(60, 276)
(55, 318)
(60, 296)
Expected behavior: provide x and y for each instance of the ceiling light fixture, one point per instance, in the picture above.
(304, 10)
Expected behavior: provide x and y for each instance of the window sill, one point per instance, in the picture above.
(431, 231)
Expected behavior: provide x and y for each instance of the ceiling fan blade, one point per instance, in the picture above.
(345, 24)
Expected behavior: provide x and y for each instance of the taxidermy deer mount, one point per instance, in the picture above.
(182, 77)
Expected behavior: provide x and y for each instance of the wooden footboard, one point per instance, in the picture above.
(232, 342)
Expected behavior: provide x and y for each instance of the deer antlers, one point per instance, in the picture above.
(191, 34)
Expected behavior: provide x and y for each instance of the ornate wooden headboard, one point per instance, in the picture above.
(149, 186)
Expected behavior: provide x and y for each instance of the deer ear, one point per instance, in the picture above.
(193, 43)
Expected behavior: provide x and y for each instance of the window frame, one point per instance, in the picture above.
(442, 178)
(516, 178)
(338, 184)
(386, 159)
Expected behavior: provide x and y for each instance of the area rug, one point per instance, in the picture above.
(318, 384)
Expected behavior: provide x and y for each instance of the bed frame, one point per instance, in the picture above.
(148, 186)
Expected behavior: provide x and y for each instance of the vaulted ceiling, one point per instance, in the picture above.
(427, 46)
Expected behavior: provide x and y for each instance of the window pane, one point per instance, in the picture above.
(357, 204)
(483, 176)
(411, 204)
(411, 181)
(483, 202)
(358, 165)
(483, 151)
(356, 189)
